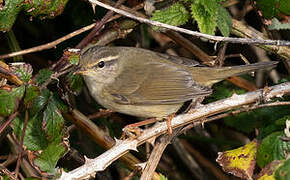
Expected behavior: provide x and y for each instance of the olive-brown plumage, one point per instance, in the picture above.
(147, 84)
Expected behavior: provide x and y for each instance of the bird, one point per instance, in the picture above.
(149, 84)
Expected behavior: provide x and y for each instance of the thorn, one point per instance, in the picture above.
(133, 146)
(235, 94)
(151, 140)
(142, 165)
(118, 141)
(94, 7)
(64, 175)
(87, 160)
(93, 175)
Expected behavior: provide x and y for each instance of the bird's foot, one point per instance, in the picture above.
(168, 123)
(133, 130)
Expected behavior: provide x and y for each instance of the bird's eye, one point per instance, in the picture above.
(101, 64)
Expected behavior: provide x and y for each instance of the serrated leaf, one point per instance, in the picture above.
(239, 162)
(31, 93)
(43, 76)
(175, 15)
(224, 21)
(48, 158)
(9, 100)
(45, 133)
(22, 70)
(39, 102)
(53, 122)
(59, 103)
(283, 171)
(272, 148)
(276, 25)
(40, 8)
(75, 83)
(205, 13)
(34, 138)
(9, 13)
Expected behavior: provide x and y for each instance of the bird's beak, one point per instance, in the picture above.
(81, 71)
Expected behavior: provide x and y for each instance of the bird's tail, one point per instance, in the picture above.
(208, 76)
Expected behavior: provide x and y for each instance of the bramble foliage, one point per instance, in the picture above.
(209, 15)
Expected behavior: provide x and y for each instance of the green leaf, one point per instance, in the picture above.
(59, 103)
(224, 21)
(9, 100)
(75, 83)
(272, 148)
(45, 134)
(268, 7)
(273, 8)
(31, 93)
(174, 15)
(53, 122)
(284, 6)
(223, 90)
(205, 12)
(22, 70)
(39, 8)
(39, 102)
(74, 58)
(43, 76)
(9, 13)
(259, 118)
(276, 25)
(35, 138)
(283, 171)
(48, 158)
(277, 125)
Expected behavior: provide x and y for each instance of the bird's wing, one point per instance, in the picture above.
(155, 83)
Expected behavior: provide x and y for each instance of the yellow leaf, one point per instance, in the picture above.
(241, 161)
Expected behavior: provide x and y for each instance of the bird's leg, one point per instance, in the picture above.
(133, 130)
(168, 122)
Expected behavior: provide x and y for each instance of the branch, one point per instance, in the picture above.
(193, 33)
(122, 147)
(242, 30)
(48, 45)
(156, 153)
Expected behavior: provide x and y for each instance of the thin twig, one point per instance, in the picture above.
(287, 103)
(48, 45)
(188, 160)
(98, 27)
(194, 49)
(156, 154)
(21, 144)
(9, 120)
(204, 162)
(54, 43)
(193, 33)
(122, 147)
(241, 29)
